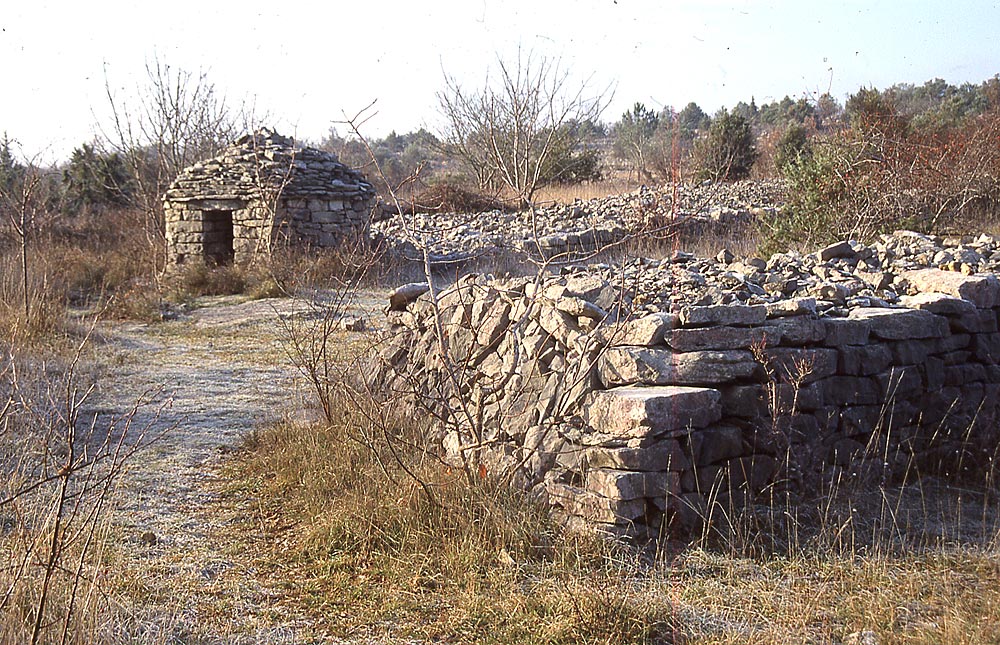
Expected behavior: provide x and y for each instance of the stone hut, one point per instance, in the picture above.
(263, 190)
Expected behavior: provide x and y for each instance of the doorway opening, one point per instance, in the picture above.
(217, 237)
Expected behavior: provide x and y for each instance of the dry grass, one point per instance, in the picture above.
(361, 546)
(99, 262)
(373, 552)
(60, 473)
(913, 563)
(568, 193)
(943, 597)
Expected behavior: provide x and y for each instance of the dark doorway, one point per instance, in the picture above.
(217, 236)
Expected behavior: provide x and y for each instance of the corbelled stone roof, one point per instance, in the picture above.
(266, 160)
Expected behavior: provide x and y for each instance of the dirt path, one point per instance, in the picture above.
(209, 378)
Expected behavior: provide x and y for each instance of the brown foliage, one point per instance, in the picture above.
(453, 197)
(884, 174)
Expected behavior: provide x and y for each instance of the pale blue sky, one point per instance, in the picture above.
(307, 63)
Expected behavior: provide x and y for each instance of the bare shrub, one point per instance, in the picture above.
(60, 470)
(883, 174)
(520, 132)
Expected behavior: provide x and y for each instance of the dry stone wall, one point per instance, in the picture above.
(630, 409)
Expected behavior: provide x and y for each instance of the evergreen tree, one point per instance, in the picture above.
(95, 179)
(728, 151)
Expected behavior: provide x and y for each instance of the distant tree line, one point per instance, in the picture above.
(778, 138)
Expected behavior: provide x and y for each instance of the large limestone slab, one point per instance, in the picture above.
(795, 330)
(864, 360)
(715, 444)
(593, 507)
(405, 294)
(981, 290)
(939, 303)
(901, 324)
(580, 308)
(850, 390)
(700, 338)
(846, 331)
(628, 485)
(636, 412)
(560, 325)
(837, 250)
(740, 474)
(665, 455)
(586, 286)
(648, 330)
(791, 307)
(724, 315)
(649, 366)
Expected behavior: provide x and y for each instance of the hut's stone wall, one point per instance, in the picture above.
(262, 190)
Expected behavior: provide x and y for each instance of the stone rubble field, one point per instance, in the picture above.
(581, 227)
(840, 276)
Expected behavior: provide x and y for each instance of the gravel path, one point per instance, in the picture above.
(208, 379)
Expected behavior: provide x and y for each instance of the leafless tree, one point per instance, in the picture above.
(177, 118)
(514, 131)
(20, 203)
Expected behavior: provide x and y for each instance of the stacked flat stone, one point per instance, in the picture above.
(630, 420)
(270, 188)
(583, 226)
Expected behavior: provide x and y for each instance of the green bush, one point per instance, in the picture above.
(816, 199)
(633, 135)
(571, 166)
(729, 151)
(792, 148)
(95, 179)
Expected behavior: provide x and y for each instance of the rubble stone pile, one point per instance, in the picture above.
(581, 227)
(636, 397)
(840, 276)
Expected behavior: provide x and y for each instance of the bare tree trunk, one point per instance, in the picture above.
(19, 204)
(24, 265)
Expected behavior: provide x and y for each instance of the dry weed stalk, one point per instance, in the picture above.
(61, 473)
(793, 373)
